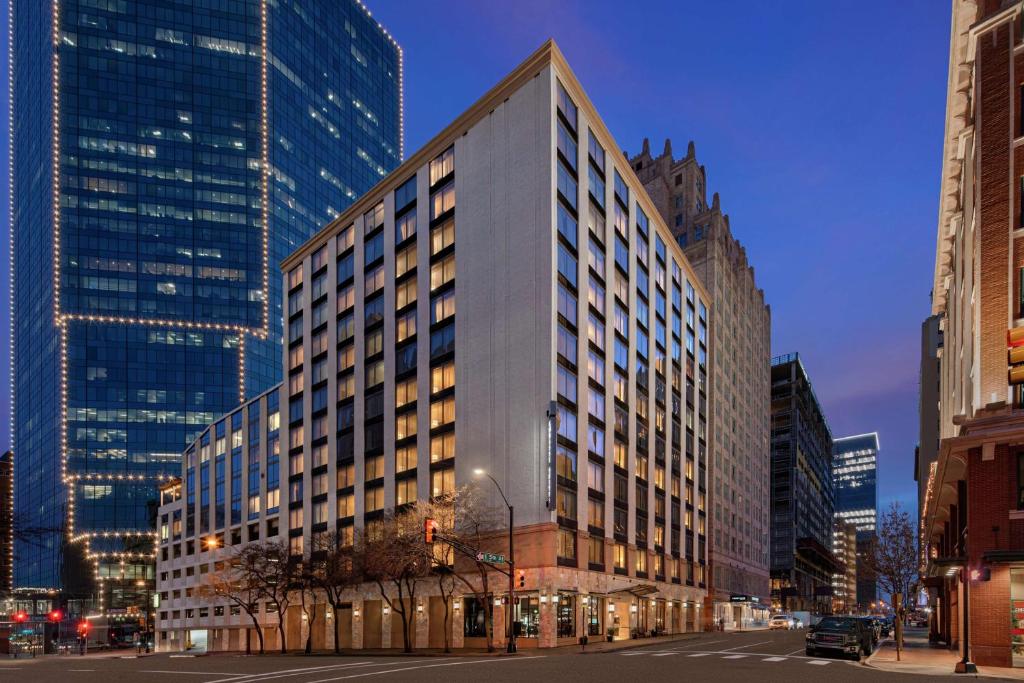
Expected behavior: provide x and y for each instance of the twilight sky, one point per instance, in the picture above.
(819, 123)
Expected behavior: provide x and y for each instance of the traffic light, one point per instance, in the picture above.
(83, 628)
(428, 529)
(20, 617)
(522, 579)
(55, 616)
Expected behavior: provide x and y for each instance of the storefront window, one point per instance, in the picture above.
(475, 611)
(528, 612)
(566, 615)
(1017, 616)
(659, 615)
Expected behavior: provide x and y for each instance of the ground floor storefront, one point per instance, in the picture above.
(555, 607)
(740, 612)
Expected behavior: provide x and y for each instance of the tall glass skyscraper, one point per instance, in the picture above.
(855, 480)
(167, 155)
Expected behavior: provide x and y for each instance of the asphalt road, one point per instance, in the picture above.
(761, 656)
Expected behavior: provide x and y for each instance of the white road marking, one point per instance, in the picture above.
(700, 654)
(796, 652)
(665, 654)
(490, 660)
(700, 642)
(774, 659)
(740, 647)
(819, 662)
(81, 669)
(632, 654)
(286, 673)
(193, 673)
(734, 657)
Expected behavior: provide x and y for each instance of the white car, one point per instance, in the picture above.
(783, 621)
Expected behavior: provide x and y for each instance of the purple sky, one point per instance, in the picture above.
(820, 124)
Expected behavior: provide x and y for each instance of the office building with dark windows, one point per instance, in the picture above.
(803, 499)
(166, 157)
(507, 300)
(855, 480)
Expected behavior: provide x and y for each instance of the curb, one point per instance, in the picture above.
(639, 643)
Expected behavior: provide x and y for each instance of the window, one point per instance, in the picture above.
(346, 358)
(641, 561)
(346, 298)
(345, 239)
(567, 344)
(442, 200)
(566, 185)
(567, 226)
(405, 491)
(596, 258)
(346, 476)
(442, 236)
(622, 191)
(374, 499)
(595, 513)
(375, 373)
(596, 185)
(373, 219)
(567, 543)
(595, 294)
(442, 341)
(405, 458)
(442, 412)
(405, 260)
(374, 342)
(619, 555)
(442, 307)
(595, 480)
(405, 326)
(595, 440)
(442, 165)
(595, 367)
(374, 467)
(295, 277)
(566, 304)
(567, 265)
(596, 151)
(566, 423)
(442, 377)
(595, 555)
(374, 280)
(373, 249)
(346, 506)
(566, 384)
(442, 447)
(442, 482)
(565, 467)
(442, 272)
(405, 194)
(567, 145)
(566, 106)
(405, 425)
(405, 294)
(405, 392)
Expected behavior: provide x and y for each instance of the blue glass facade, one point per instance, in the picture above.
(146, 286)
(855, 479)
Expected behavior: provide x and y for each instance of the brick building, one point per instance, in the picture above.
(972, 525)
(740, 381)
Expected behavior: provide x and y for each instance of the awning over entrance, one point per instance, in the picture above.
(640, 591)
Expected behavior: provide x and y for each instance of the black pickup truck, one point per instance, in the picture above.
(846, 636)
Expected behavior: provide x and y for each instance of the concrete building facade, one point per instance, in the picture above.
(740, 381)
(803, 499)
(973, 509)
(574, 372)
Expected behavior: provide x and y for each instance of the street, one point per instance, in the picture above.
(763, 656)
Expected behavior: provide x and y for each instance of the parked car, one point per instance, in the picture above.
(782, 621)
(874, 626)
(886, 626)
(845, 636)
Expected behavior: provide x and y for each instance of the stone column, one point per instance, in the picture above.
(387, 614)
(458, 630)
(329, 626)
(548, 636)
(357, 624)
(421, 614)
(499, 626)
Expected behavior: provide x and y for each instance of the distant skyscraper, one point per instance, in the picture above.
(166, 157)
(803, 501)
(855, 476)
(928, 405)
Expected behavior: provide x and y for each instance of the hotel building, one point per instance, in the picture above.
(740, 330)
(165, 158)
(972, 522)
(507, 300)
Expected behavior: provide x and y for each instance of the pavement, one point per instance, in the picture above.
(762, 656)
(918, 656)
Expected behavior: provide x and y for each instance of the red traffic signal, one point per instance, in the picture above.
(55, 615)
(83, 627)
(20, 617)
(428, 529)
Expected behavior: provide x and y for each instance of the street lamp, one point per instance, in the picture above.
(510, 633)
(142, 583)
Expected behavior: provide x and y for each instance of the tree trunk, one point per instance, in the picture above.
(337, 642)
(280, 627)
(447, 627)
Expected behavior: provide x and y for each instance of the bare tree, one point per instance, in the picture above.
(277, 574)
(306, 585)
(893, 558)
(335, 572)
(395, 557)
(471, 525)
(238, 583)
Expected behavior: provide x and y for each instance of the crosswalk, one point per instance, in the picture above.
(726, 655)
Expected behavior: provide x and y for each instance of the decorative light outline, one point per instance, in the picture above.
(55, 142)
(10, 255)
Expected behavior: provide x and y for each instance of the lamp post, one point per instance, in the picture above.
(510, 632)
(142, 583)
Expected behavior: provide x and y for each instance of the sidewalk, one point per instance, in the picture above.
(920, 657)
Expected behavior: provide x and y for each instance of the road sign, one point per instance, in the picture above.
(493, 558)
